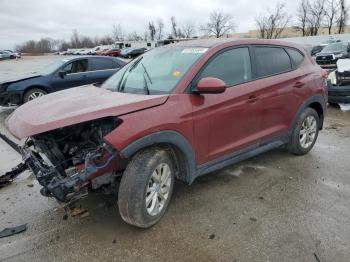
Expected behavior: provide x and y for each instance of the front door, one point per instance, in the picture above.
(228, 122)
(75, 75)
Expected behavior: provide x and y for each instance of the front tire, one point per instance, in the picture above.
(305, 132)
(146, 187)
(33, 94)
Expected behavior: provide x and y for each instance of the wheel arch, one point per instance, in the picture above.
(316, 102)
(31, 87)
(180, 149)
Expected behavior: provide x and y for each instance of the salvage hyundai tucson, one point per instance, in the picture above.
(176, 112)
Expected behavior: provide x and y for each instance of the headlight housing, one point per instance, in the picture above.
(3, 87)
(333, 78)
(338, 55)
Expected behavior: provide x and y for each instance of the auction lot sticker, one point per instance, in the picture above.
(194, 50)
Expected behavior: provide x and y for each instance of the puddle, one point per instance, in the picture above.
(239, 170)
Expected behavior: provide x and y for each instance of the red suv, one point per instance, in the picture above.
(176, 112)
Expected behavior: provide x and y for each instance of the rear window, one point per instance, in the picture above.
(271, 61)
(102, 64)
(296, 56)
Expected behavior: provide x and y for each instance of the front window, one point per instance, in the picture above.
(156, 72)
(77, 66)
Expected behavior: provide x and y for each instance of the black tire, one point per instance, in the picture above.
(294, 146)
(134, 183)
(27, 95)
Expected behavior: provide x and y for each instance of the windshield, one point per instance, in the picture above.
(156, 72)
(336, 47)
(51, 68)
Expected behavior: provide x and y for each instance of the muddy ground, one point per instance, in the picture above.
(275, 207)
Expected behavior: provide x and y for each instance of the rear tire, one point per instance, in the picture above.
(33, 94)
(146, 187)
(305, 132)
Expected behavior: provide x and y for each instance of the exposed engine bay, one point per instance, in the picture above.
(70, 160)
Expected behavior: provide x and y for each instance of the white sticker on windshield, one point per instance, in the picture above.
(194, 50)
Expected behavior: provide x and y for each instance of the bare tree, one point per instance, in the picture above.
(145, 35)
(44, 45)
(152, 30)
(188, 29)
(343, 16)
(219, 24)
(173, 27)
(331, 11)
(273, 23)
(160, 27)
(316, 16)
(117, 33)
(75, 39)
(311, 16)
(134, 36)
(302, 17)
(106, 40)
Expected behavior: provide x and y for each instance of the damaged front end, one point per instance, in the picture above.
(69, 161)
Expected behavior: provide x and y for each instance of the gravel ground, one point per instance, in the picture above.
(275, 207)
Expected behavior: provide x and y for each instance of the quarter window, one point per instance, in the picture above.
(232, 66)
(271, 61)
(296, 56)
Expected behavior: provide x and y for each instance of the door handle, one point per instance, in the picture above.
(298, 84)
(252, 99)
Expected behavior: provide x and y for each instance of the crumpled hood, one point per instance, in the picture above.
(74, 106)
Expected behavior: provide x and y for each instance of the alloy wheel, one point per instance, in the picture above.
(308, 131)
(158, 189)
(35, 95)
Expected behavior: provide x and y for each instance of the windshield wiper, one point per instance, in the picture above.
(125, 75)
(135, 64)
(148, 76)
(145, 86)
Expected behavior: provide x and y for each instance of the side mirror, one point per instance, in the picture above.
(211, 85)
(62, 74)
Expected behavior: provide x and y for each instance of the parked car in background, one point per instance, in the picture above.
(133, 52)
(317, 49)
(94, 50)
(4, 55)
(102, 51)
(112, 52)
(339, 83)
(14, 54)
(176, 112)
(8, 54)
(329, 56)
(85, 52)
(124, 51)
(60, 75)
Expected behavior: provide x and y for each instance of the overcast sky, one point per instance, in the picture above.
(22, 20)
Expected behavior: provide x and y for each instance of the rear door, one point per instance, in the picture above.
(225, 123)
(102, 68)
(281, 82)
